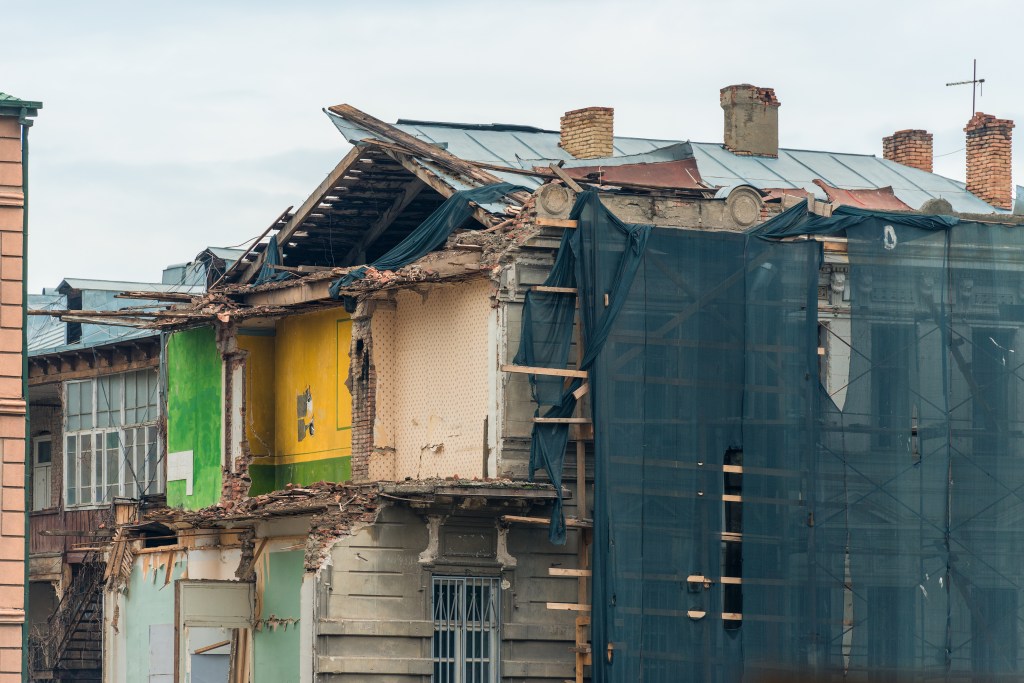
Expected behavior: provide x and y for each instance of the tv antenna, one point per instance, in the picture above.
(977, 84)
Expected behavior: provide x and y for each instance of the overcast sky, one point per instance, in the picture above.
(169, 127)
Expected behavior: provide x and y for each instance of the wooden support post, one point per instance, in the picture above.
(583, 544)
(543, 222)
(555, 372)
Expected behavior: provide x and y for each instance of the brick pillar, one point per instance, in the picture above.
(989, 157)
(588, 133)
(362, 382)
(909, 147)
(12, 397)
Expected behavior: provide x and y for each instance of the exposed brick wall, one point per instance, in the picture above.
(12, 402)
(989, 157)
(235, 479)
(909, 147)
(362, 383)
(588, 133)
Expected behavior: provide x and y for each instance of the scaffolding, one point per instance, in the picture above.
(748, 524)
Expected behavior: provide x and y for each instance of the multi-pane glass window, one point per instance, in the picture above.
(111, 447)
(466, 639)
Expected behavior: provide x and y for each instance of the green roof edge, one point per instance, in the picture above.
(13, 106)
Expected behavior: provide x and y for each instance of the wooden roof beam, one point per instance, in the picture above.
(440, 186)
(414, 145)
(308, 206)
(357, 254)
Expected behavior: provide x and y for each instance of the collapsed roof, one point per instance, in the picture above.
(398, 174)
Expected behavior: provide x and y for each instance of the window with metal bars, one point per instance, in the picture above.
(467, 633)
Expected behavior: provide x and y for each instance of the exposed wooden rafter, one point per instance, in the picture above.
(309, 206)
(415, 146)
(411, 191)
(436, 183)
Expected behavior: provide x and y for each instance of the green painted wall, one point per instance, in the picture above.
(276, 651)
(150, 601)
(194, 405)
(274, 478)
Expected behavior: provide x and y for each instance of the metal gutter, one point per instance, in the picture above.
(25, 125)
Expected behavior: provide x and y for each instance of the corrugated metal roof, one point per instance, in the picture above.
(93, 337)
(225, 253)
(43, 331)
(525, 147)
(48, 335)
(796, 168)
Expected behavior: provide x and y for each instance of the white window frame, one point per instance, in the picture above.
(100, 477)
(37, 472)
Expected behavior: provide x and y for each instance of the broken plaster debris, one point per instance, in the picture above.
(336, 510)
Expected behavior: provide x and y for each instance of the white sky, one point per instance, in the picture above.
(169, 127)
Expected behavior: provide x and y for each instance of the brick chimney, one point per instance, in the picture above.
(988, 159)
(909, 147)
(751, 120)
(588, 133)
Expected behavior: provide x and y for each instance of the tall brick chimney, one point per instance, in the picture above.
(988, 159)
(588, 133)
(909, 147)
(751, 120)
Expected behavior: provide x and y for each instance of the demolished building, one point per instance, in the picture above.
(502, 403)
(94, 439)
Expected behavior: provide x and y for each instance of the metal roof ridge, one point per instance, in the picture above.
(788, 149)
(511, 127)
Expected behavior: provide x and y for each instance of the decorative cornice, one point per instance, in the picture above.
(12, 406)
(12, 616)
(15, 199)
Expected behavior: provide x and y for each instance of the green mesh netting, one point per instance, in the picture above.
(875, 525)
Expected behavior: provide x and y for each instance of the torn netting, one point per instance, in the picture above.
(431, 233)
(272, 258)
(599, 259)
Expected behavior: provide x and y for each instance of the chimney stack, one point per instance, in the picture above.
(989, 158)
(588, 133)
(909, 147)
(751, 120)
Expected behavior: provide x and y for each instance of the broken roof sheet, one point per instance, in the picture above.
(524, 147)
(119, 286)
(882, 199)
(43, 331)
(226, 253)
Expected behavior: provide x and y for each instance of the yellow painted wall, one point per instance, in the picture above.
(259, 392)
(312, 350)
